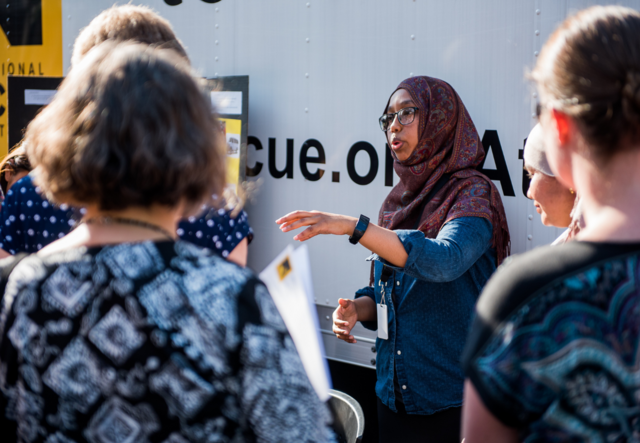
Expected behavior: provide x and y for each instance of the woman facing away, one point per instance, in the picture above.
(556, 204)
(440, 233)
(118, 332)
(554, 352)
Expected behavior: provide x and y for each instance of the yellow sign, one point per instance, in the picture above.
(232, 129)
(33, 49)
(284, 268)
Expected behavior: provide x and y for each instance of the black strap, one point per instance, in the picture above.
(439, 185)
(386, 273)
(6, 270)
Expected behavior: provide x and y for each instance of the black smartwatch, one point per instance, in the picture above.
(358, 232)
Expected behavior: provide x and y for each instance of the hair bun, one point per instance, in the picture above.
(631, 97)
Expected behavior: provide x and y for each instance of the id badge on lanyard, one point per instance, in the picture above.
(383, 319)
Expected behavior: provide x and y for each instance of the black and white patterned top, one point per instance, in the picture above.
(149, 342)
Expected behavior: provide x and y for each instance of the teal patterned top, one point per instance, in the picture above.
(554, 349)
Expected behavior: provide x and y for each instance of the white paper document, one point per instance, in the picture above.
(39, 96)
(288, 279)
(227, 102)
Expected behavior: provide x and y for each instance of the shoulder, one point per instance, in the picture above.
(216, 229)
(207, 275)
(475, 229)
(536, 307)
(480, 223)
(520, 279)
(199, 260)
(522, 276)
(20, 189)
(23, 188)
(222, 293)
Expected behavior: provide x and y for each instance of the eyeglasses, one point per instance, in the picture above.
(405, 117)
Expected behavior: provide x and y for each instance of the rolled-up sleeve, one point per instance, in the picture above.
(459, 244)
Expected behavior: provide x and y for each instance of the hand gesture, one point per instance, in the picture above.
(318, 222)
(344, 319)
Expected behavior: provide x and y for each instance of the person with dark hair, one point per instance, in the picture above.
(12, 168)
(553, 352)
(118, 331)
(441, 232)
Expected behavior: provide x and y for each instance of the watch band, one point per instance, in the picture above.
(358, 232)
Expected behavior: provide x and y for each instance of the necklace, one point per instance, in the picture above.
(108, 220)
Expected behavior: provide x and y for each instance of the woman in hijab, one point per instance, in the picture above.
(441, 233)
(556, 204)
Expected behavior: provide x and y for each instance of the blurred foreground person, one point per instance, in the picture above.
(553, 354)
(118, 332)
(556, 204)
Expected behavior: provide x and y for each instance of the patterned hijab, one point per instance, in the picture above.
(448, 143)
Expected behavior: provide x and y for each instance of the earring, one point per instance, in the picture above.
(572, 191)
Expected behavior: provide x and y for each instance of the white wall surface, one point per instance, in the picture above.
(324, 69)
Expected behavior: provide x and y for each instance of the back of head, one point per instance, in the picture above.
(590, 70)
(126, 23)
(129, 127)
(15, 162)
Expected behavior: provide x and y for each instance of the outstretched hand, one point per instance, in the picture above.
(317, 222)
(344, 319)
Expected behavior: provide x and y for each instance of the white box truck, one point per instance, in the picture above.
(320, 73)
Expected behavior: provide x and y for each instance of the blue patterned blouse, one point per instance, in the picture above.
(149, 342)
(555, 347)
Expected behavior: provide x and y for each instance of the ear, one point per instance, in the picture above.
(563, 125)
(561, 146)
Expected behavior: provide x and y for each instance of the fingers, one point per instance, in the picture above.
(346, 337)
(306, 221)
(307, 234)
(341, 323)
(293, 216)
(341, 327)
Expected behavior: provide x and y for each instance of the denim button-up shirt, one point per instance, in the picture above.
(433, 300)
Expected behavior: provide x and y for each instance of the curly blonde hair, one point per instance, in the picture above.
(126, 23)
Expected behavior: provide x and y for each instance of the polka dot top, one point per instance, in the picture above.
(28, 222)
(216, 230)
